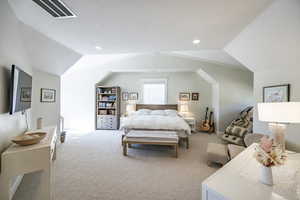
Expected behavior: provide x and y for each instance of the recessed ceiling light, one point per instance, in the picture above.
(99, 48)
(196, 41)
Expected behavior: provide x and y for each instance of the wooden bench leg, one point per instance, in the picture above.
(122, 140)
(187, 143)
(176, 151)
(125, 148)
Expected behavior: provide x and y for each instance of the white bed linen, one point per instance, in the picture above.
(157, 122)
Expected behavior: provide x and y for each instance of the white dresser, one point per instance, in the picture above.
(239, 180)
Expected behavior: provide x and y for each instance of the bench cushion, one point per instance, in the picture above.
(139, 136)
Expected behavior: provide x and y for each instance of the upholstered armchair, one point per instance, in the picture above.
(238, 128)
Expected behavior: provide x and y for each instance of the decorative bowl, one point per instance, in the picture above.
(29, 138)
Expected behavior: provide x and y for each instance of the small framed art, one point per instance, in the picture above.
(48, 95)
(133, 96)
(195, 96)
(184, 96)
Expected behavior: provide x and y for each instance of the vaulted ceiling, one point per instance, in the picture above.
(120, 26)
(139, 26)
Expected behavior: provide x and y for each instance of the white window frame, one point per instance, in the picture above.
(156, 81)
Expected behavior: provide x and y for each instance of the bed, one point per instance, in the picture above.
(156, 121)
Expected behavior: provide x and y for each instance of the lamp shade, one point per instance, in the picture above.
(285, 112)
(130, 108)
(184, 108)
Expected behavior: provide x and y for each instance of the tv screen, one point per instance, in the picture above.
(21, 90)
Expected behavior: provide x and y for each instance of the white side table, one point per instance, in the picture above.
(191, 122)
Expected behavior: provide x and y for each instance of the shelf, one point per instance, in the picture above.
(105, 115)
(107, 107)
(107, 86)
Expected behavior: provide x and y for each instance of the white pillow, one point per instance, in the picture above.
(171, 113)
(158, 112)
(143, 112)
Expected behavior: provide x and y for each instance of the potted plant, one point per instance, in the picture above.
(269, 154)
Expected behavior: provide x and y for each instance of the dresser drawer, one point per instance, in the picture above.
(107, 122)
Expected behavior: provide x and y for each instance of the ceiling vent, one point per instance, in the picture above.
(56, 8)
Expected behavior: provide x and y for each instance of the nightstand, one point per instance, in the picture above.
(191, 122)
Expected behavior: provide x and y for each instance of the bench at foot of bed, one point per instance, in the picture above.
(166, 138)
(183, 137)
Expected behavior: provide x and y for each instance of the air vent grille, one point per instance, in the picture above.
(56, 8)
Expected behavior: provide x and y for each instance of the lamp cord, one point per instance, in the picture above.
(26, 119)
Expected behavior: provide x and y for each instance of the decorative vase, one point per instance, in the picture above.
(39, 123)
(266, 176)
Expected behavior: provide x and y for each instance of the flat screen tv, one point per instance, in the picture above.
(21, 90)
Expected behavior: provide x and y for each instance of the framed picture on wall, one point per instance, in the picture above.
(48, 95)
(125, 96)
(184, 96)
(276, 93)
(133, 96)
(195, 96)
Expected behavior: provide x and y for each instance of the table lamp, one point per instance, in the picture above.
(130, 108)
(279, 115)
(183, 108)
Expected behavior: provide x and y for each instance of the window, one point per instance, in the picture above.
(155, 91)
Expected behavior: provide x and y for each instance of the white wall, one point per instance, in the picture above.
(50, 112)
(78, 98)
(262, 79)
(12, 51)
(47, 54)
(233, 91)
(177, 82)
(270, 46)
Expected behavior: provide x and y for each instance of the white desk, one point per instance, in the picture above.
(239, 180)
(19, 160)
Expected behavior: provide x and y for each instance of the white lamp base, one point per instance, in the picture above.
(278, 131)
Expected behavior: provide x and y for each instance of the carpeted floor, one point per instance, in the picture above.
(92, 167)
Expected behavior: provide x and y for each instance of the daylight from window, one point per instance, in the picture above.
(154, 93)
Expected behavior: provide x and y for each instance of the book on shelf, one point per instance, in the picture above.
(106, 104)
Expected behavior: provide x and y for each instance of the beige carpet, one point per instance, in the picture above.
(92, 167)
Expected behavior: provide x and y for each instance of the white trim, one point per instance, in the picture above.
(156, 80)
(15, 185)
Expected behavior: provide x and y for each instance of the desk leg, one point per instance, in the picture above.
(44, 191)
(54, 153)
(4, 187)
